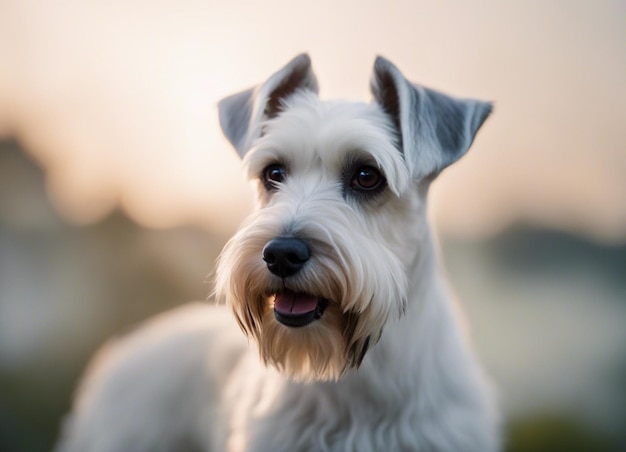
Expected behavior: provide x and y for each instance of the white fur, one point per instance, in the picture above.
(189, 381)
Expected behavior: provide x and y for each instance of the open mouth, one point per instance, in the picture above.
(297, 309)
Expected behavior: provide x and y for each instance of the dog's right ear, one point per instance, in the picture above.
(241, 114)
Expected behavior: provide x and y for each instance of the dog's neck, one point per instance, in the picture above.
(427, 304)
(418, 371)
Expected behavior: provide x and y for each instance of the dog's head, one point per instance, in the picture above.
(315, 272)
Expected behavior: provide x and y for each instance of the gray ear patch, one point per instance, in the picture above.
(241, 114)
(235, 112)
(436, 129)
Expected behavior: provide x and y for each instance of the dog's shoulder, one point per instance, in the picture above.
(149, 384)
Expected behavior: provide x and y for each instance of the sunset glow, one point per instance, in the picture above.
(118, 101)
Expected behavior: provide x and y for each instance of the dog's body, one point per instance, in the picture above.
(335, 279)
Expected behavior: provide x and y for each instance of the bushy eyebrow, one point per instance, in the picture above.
(258, 159)
(360, 157)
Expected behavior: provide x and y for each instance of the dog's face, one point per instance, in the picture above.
(316, 271)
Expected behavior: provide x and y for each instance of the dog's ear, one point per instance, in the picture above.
(241, 114)
(435, 130)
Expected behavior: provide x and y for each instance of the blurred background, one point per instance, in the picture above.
(117, 190)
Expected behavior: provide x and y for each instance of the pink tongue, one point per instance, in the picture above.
(294, 303)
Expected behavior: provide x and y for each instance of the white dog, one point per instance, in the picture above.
(356, 346)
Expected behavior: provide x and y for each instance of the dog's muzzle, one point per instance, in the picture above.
(285, 256)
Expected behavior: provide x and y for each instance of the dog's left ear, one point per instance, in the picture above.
(241, 114)
(435, 129)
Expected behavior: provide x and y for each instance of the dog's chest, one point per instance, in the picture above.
(330, 417)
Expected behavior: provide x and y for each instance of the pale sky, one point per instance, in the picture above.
(116, 99)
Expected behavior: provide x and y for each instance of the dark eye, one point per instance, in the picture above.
(273, 174)
(366, 178)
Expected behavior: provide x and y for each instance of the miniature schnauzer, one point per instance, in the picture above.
(355, 342)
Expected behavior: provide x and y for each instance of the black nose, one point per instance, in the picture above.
(285, 255)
